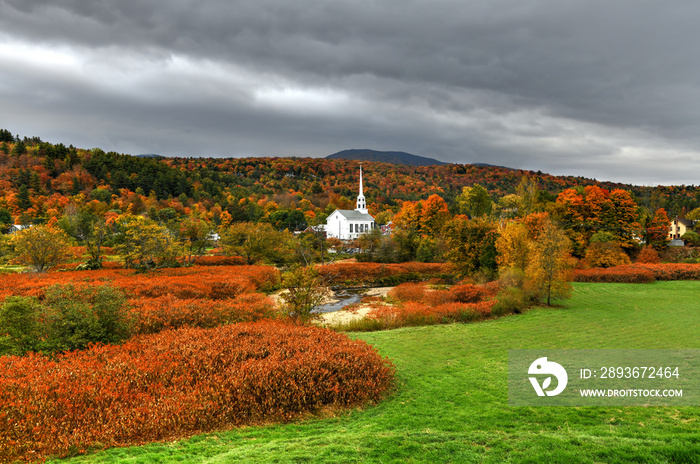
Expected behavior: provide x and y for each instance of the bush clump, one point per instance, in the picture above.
(510, 300)
(180, 382)
(648, 255)
(69, 318)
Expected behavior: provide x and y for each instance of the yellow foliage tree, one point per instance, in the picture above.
(549, 264)
(605, 251)
(256, 242)
(512, 246)
(146, 244)
(40, 247)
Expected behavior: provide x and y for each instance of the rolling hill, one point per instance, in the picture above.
(393, 157)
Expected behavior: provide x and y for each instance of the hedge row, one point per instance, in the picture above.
(639, 273)
(176, 383)
(362, 274)
(618, 274)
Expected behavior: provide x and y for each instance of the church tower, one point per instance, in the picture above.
(349, 224)
(361, 204)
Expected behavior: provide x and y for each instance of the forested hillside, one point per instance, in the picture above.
(39, 180)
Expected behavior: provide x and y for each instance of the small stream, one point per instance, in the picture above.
(344, 297)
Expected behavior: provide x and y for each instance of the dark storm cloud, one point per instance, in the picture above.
(587, 87)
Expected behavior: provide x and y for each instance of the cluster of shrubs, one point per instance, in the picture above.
(375, 274)
(58, 317)
(414, 304)
(175, 383)
(152, 315)
(189, 282)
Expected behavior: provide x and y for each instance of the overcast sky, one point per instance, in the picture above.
(598, 88)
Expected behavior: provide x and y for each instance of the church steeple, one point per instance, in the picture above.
(361, 204)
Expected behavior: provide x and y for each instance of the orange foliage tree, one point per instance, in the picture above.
(648, 255)
(582, 214)
(657, 231)
(434, 215)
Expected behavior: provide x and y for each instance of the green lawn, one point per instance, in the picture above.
(451, 403)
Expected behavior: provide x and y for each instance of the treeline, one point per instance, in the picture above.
(40, 181)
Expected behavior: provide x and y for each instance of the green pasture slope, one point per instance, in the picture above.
(451, 402)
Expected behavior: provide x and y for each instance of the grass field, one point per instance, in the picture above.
(451, 401)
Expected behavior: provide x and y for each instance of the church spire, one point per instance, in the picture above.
(361, 204)
(361, 193)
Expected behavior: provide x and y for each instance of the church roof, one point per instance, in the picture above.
(353, 215)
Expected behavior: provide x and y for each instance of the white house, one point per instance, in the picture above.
(347, 224)
(18, 228)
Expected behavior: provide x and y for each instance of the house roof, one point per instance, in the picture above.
(685, 222)
(352, 215)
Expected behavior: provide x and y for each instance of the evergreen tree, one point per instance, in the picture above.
(19, 149)
(24, 202)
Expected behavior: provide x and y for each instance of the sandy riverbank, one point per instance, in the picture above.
(358, 312)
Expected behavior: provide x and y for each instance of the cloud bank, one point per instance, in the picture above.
(582, 87)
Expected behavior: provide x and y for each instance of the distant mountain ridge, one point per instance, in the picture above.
(492, 166)
(150, 155)
(392, 157)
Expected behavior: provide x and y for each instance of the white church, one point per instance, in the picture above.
(348, 224)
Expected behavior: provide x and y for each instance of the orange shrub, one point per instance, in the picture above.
(175, 383)
(648, 255)
(409, 292)
(467, 293)
(111, 265)
(437, 297)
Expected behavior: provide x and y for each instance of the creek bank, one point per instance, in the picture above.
(341, 299)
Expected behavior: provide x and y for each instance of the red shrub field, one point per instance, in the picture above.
(420, 305)
(170, 298)
(380, 274)
(219, 261)
(639, 273)
(152, 315)
(672, 271)
(180, 382)
(187, 282)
